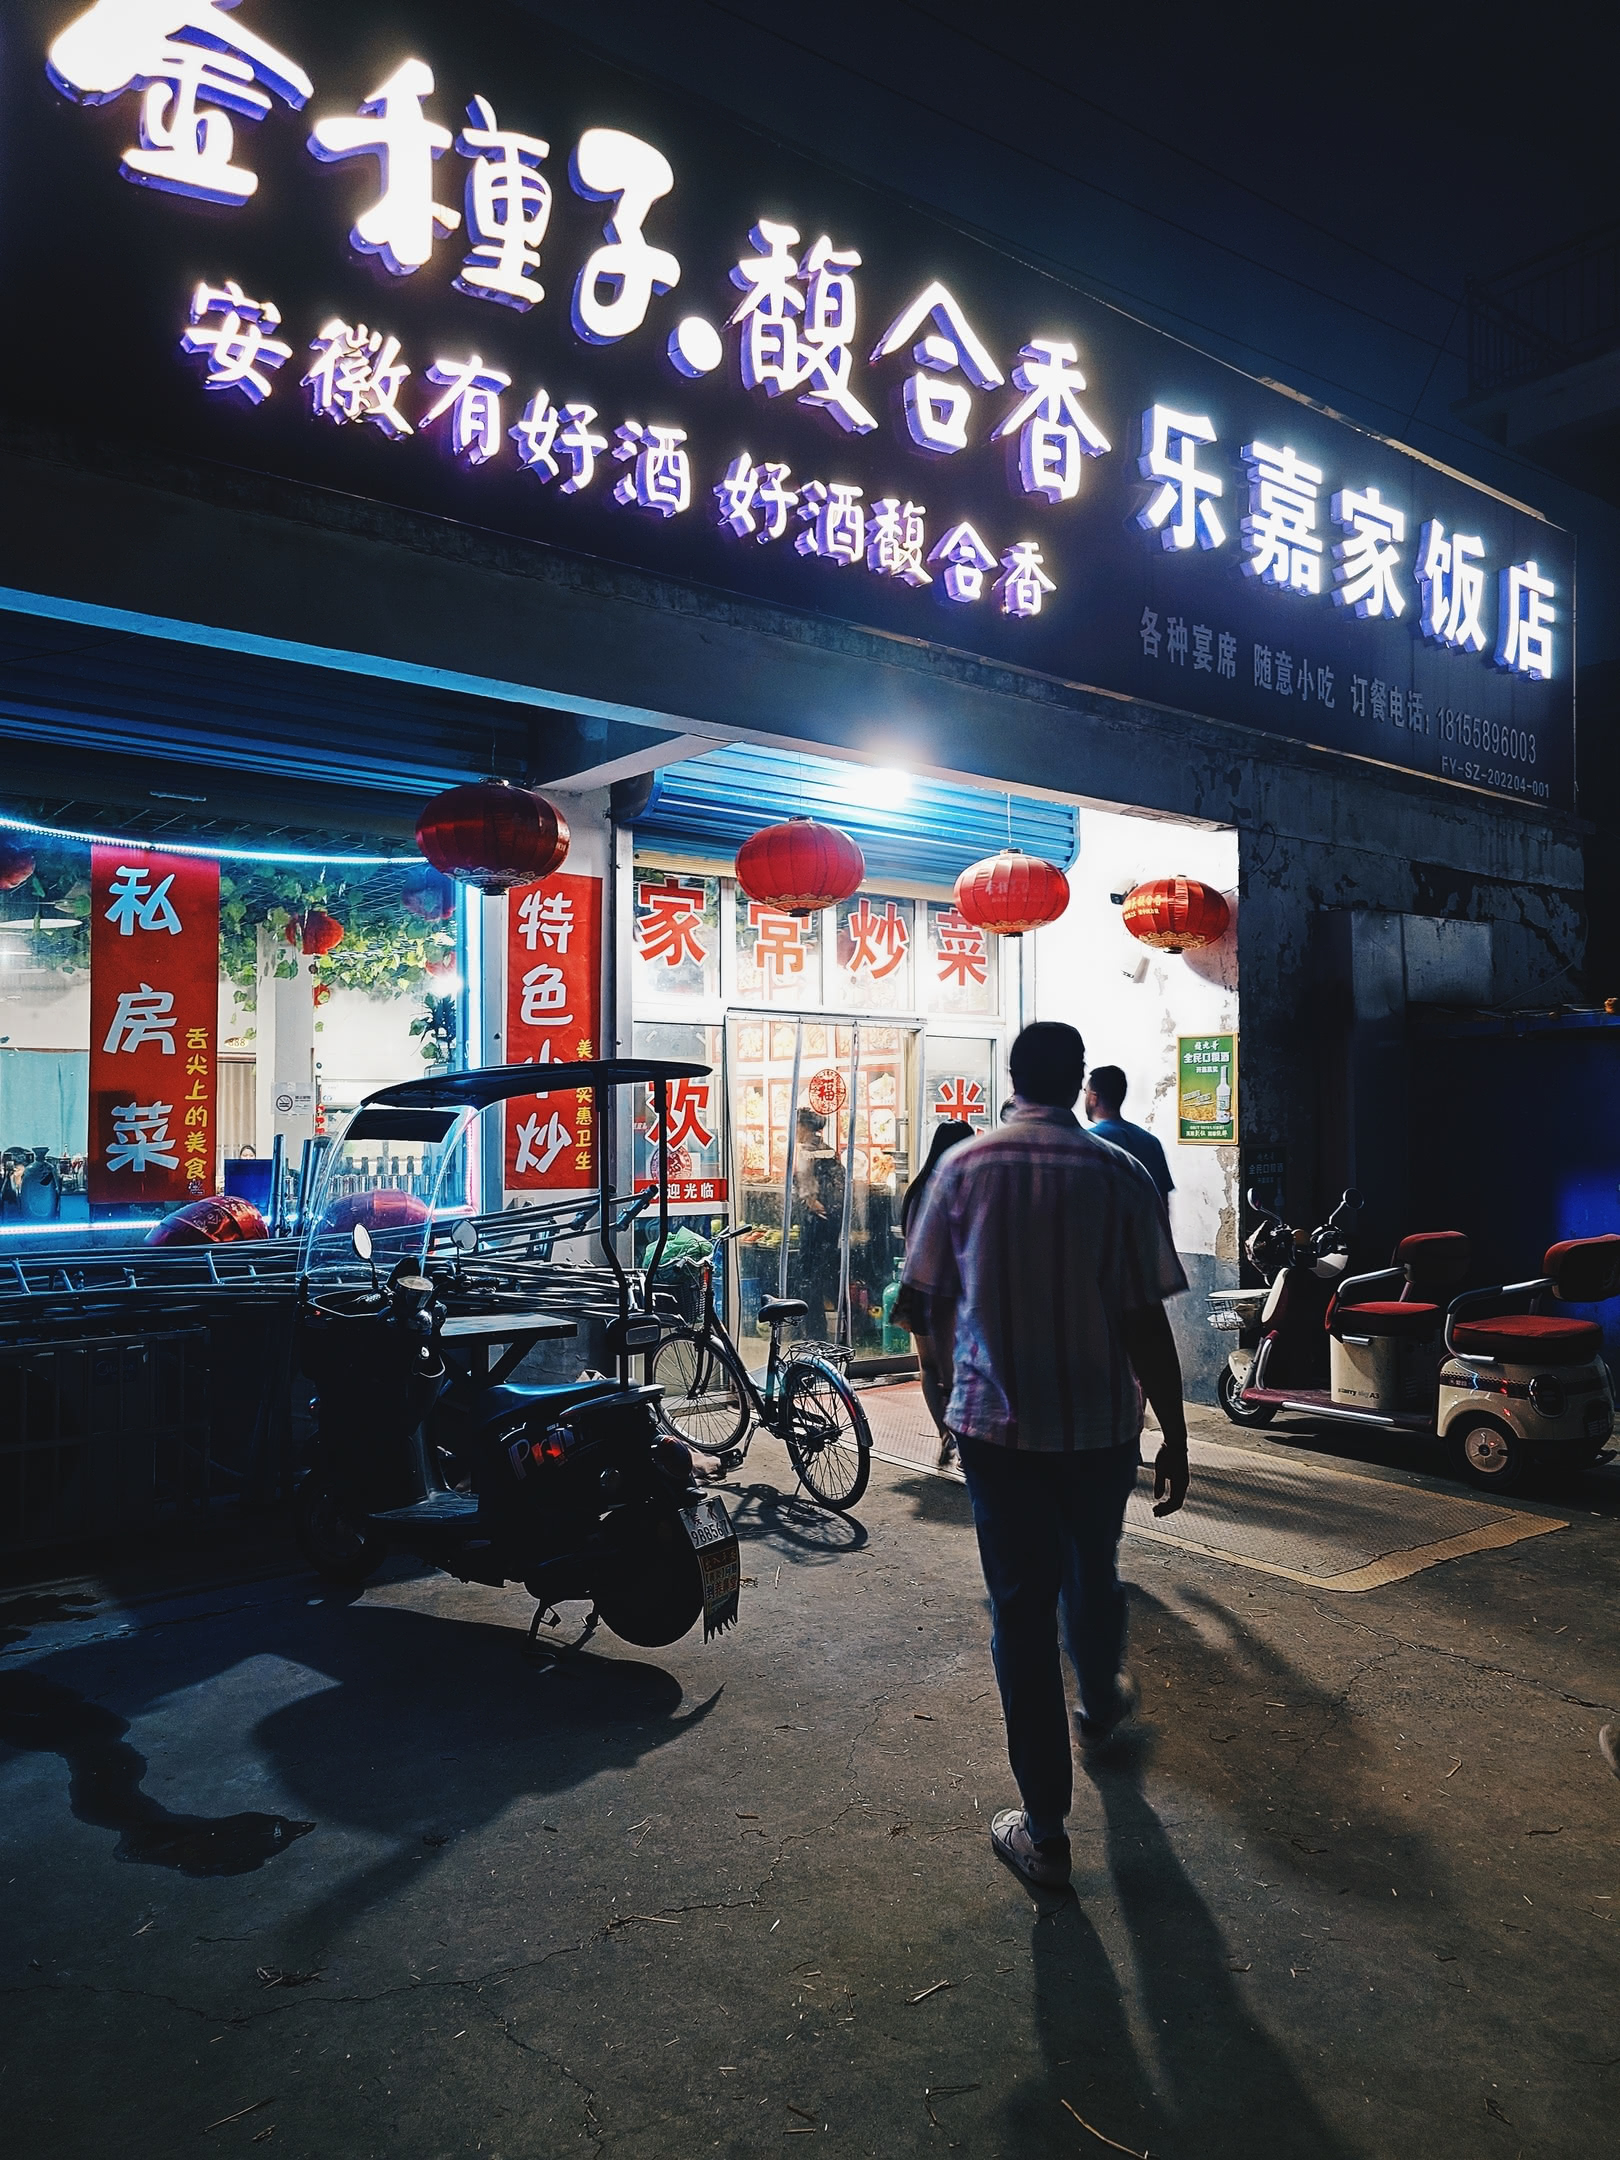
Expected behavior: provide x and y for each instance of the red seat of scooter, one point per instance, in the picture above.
(1408, 1318)
(1530, 1339)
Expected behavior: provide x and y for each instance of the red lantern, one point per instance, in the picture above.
(1011, 892)
(315, 933)
(220, 1221)
(385, 1209)
(800, 866)
(1176, 914)
(429, 896)
(16, 866)
(493, 835)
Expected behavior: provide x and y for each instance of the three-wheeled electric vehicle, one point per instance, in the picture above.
(1508, 1385)
(425, 1442)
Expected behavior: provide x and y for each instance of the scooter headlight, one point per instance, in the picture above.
(1547, 1396)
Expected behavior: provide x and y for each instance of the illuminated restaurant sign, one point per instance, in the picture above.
(450, 261)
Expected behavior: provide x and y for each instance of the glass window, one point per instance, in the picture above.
(697, 1170)
(873, 970)
(960, 964)
(961, 1075)
(677, 939)
(778, 955)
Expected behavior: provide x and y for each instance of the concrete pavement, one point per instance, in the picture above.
(342, 1877)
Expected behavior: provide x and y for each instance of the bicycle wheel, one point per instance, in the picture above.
(826, 1433)
(705, 1401)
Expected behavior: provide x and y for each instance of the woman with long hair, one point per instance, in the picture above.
(949, 1133)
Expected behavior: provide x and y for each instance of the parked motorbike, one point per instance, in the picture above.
(1508, 1386)
(423, 1446)
(1281, 1344)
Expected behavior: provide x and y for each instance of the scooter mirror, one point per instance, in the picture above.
(362, 1241)
(464, 1237)
(1258, 1201)
(1352, 1199)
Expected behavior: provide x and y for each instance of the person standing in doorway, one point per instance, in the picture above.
(818, 1215)
(1105, 1098)
(1044, 1260)
(948, 1133)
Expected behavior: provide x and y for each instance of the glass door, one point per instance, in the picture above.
(822, 1122)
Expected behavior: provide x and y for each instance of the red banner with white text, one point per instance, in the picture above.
(553, 1016)
(154, 1015)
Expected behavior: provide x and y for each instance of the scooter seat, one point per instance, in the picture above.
(1530, 1339)
(545, 1403)
(1408, 1319)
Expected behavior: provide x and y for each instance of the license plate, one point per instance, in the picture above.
(715, 1543)
(1598, 1419)
(706, 1524)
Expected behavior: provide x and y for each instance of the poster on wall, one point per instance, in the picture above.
(553, 1017)
(154, 1011)
(1206, 1090)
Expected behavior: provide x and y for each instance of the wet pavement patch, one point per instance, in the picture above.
(19, 1616)
(105, 1775)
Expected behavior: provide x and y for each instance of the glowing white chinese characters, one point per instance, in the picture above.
(937, 412)
(545, 997)
(508, 207)
(1365, 563)
(403, 223)
(194, 65)
(895, 540)
(615, 288)
(755, 499)
(964, 560)
(357, 374)
(1170, 442)
(1053, 428)
(539, 1144)
(140, 1138)
(1023, 584)
(471, 395)
(1452, 581)
(142, 1016)
(232, 334)
(1280, 530)
(795, 339)
(546, 919)
(1524, 644)
(660, 478)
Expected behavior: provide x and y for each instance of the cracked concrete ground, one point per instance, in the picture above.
(346, 1877)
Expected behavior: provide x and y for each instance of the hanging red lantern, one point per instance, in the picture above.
(220, 1221)
(800, 866)
(429, 896)
(1011, 892)
(493, 835)
(1176, 914)
(315, 933)
(16, 866)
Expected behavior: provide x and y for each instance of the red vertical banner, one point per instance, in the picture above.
(553, 1017)
(154, 1015)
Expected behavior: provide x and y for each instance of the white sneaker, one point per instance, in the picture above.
(1046, 1866)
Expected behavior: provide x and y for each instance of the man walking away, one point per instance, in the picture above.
(1045, 1260)
(1105, 1097)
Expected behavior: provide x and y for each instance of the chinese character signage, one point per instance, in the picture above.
(553, 1017)
(1206, 1090)
(413, 253)
(154, 1016)
(676, 938)
(960, 964)
(874, 954)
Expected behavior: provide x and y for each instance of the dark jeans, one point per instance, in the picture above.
(1049, 1529)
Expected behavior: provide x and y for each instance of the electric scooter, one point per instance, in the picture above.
(1281, 1347)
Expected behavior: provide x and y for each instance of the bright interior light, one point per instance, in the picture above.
(879, 787)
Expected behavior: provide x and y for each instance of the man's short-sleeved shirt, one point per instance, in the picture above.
(1044, 1237)
(1138, 1141)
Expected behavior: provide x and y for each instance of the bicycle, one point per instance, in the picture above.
(711, 1402)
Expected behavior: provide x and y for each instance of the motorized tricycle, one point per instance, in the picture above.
(425, 1441)
(1507, 1385)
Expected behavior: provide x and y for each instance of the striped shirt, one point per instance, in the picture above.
(1044, 1237)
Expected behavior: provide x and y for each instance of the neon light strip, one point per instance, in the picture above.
(213, 854)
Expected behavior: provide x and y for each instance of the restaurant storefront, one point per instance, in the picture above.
(443, 401)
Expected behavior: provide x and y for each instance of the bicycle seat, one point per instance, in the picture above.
(782, 1308)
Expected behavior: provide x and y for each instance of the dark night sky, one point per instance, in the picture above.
(1300, 191)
